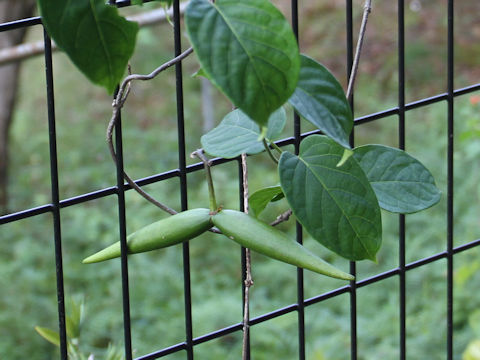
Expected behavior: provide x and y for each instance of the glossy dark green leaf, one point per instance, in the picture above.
(260, 199)
(319, 98)
(336, 205)
(238, 134)
(248, 50)
(264, 239)
(401, 182)
(95, 37)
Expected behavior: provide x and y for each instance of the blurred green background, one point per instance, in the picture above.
(27, 267)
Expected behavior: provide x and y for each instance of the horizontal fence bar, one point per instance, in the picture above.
(22, 23)
(416, 104)
(164, 352)
(308, 302)
(23, 214)
(37, 20)
(31, 49)
(124, 3)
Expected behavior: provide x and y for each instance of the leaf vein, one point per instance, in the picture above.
(336, 202)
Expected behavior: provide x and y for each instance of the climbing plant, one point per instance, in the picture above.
(248, 51)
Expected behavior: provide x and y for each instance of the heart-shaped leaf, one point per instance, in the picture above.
(248, 50)
(401, 182)
(336, 205)
(238, 134)
(96, 38)
(319, 98)
(260, 199)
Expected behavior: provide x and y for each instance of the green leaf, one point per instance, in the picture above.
(347, 153)
(238, 134)
(336, 205)
(401, 182)
(49, 335)
(114, 353)
(319, 98)
(248, 50)
(260, 199)
(96, 38)
(199, 73)
(73, 330)
(74, 319)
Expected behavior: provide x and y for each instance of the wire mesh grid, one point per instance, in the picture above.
(118, 191)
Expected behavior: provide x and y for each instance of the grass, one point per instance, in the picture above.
(150, 143)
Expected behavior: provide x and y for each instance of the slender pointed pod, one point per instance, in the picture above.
(166, 232)
(260, 237)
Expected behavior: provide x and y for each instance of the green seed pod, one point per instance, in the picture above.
(260, 237)
(169, 231)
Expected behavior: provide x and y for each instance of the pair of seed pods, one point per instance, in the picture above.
(235, 225)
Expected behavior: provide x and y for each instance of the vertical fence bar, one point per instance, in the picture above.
(353, 267)
(122, 224)
(182, 165)
(450, 101)
(122, 228)
(299, 230)
(55, 196)
(401, 145)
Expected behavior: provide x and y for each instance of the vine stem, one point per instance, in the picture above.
(248, 275)
(282, 217)
(367, 9)
(211, 190)
(120, 98)
(119, 101)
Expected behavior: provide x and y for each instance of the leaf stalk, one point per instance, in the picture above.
(276, 147)
(211, 190)
(269, 152)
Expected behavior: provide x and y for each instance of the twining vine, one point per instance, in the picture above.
(247, 49)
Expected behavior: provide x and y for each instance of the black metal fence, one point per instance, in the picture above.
(118, 191)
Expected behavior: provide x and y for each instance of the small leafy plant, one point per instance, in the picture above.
(74, 324)
(248, 50)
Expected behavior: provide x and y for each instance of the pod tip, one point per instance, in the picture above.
(111, 252)
(90, 260)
